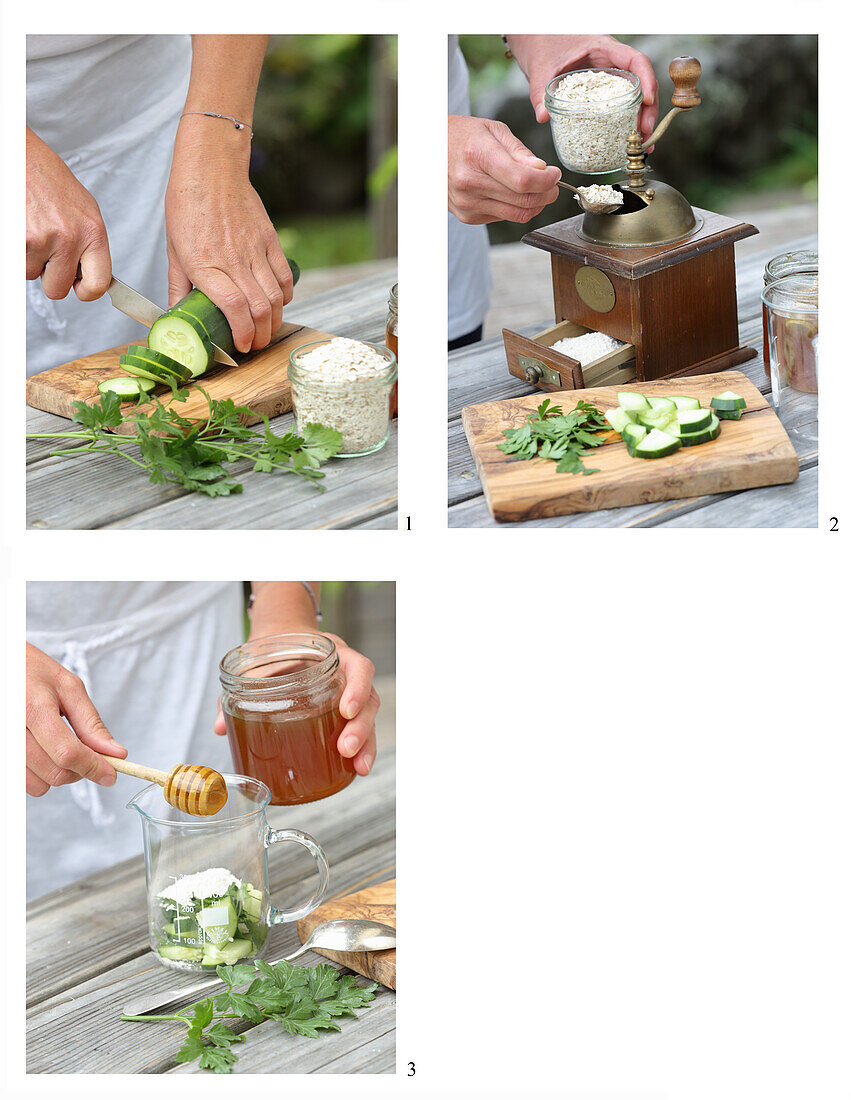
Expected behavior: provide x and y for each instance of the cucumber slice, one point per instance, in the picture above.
(177, 953)
(632, 436)
(728, 414)
(705, 435)
(160, 360)
(618, 418)
(694, 420)
(184, 339)
(126, 387)
(633, 402)
(197, 305)
(657, 444)
(657, 418)
(683, 403)
(142, 368)
(662, 403)
(728, 401)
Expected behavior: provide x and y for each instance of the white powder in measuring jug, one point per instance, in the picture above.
(592, 135)
(212, 883)
(339, 387)
(600, 192)
(588, 347)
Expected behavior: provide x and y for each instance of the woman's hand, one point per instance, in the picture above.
(359, 705)
(219, 236)
(65, 230)
(65, 733)
(493, 176)
(544, 56)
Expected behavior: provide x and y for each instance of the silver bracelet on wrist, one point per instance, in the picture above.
(237, 125)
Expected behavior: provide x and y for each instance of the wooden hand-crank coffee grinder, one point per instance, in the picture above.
(656, 274)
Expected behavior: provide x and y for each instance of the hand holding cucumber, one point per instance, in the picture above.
(65, 230)
(65, 734)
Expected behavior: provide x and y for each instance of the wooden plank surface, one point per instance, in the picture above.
(479, 373)
(90, 491)
(749, 452)
(73, 1023)
(372, 903)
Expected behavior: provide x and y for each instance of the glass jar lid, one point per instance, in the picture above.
(789, 263)
(793, 295)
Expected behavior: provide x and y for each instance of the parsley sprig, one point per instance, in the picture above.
(195, 453)
(303, 1000)
(565, 438)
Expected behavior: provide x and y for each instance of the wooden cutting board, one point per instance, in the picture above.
(749, 452)
(259, 380)
(373, 903)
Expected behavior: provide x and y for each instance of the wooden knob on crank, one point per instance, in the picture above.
(193, 788)
(685, 73)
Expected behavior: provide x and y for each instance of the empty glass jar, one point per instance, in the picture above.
(791, 306)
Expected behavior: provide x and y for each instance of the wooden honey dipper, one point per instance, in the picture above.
(193, 788)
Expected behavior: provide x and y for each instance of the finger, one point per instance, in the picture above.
(37, 255)
(36, 787)
(366, 757)
(489, 211)
(96, 269)
(283, 272)
(523, 178)
(66, 751)
(633, 61)
(359, 671)
(41, 766)
(84, 718)
(512, 144)
(179, 283)
(497, 192)
(223, 292)
(59, 274)
(354, 735)
(260, 306)
(219, 724)
(647, 122)
(268, 283)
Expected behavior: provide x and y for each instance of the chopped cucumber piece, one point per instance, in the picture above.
(657, 444)
(683, 403)
(633, 435)
(184, 339)
(160, 360)
(704, 435)
(662, 403)
(728, 414)
(228, 954)
(728, 401)
(693, 420)
(633, 402)
(126, 387)
(657, 418)
(197, 306)
(618, 418)
(143, 368)
(177, 953)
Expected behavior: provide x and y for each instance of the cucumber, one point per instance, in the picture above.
(198, 307)
(126, 387)
(705, 435)
(183, 338)
(694, 420)
(662, 403)
(657, 418)
(728, 401)
(632, 436)
(618, 418)
(177, 953)
(684, 403)
(228, 954)
(160, 360)
(657, 444)
(633, 402)
(728, 414)
(141, 368)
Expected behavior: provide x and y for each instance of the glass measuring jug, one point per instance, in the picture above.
(208, 878)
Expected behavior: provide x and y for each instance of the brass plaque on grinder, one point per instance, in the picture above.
(595, 289)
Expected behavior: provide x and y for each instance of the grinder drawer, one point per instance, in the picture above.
(532, 358)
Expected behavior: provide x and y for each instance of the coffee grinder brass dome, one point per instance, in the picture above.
(657, 214)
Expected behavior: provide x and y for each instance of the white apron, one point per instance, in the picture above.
(148, 653)
(469, 263)
(108, 105)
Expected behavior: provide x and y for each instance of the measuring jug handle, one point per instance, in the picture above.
(276, 836)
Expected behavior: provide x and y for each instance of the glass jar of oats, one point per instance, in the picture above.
(592, 114)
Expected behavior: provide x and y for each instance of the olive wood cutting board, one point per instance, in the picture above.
(749, 452)
(259, 380)
(373, 903)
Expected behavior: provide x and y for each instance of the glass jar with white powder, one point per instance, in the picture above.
(344, 384)
(592, 114)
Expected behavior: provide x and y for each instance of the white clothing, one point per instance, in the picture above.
(109, 106)
(148, 653)
(469, 264)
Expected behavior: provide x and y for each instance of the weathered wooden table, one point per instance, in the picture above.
(87, 954)
(104, 491)
(479, 373)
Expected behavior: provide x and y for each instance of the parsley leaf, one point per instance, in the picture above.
(549, 433)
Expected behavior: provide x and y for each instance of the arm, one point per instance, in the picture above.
(65, 230)
(544, 56)
(219, 235)
(282, 607)
(65, 733)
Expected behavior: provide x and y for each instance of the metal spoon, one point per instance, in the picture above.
(591, 207)
(334, 935)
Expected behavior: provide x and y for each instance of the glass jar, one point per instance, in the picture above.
(392, 341)
(281, 705)
(802, 262)
(357, 407)
(591, 137)
(791, 306)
